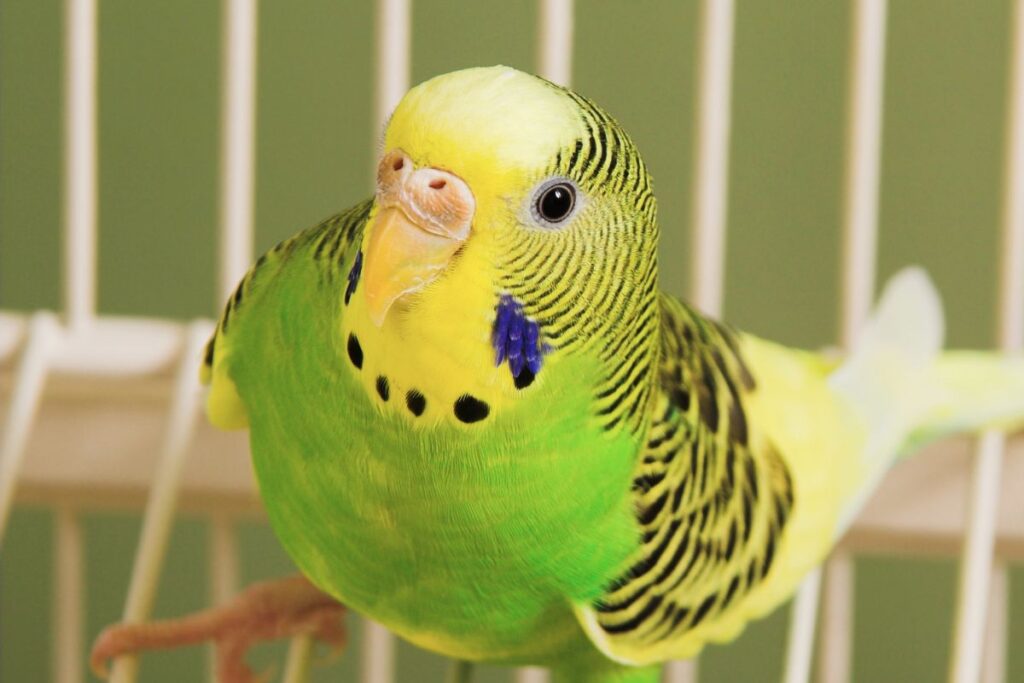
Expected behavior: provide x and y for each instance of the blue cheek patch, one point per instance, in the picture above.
(353, 276)
(516, 339)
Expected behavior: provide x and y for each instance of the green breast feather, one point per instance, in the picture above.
(505, 524)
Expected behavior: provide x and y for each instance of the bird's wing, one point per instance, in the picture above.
(758, 457)
(714, 500)
(329, 246)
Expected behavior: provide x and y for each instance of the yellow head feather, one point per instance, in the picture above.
(494, 127)
(505, 133)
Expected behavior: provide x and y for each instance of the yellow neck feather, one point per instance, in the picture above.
(436, 343)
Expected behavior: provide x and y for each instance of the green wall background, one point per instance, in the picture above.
(158, 123)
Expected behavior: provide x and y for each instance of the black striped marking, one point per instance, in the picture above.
(712, 500)
(544, 269)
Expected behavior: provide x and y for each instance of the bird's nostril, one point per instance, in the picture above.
(438, 184)
(399, 163)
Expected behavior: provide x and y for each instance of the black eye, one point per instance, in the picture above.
(556, 202)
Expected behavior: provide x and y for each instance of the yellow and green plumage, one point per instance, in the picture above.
(641, 482)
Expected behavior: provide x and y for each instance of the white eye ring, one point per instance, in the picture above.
(554, 202)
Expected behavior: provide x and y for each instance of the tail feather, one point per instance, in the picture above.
(979, 390)
(908, 392)
(889, 381)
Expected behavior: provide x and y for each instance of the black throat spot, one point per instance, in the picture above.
(470, 409)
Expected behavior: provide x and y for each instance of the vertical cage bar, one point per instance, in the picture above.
(863, 155)
(300, 651)
(976, 561)
(531, 674)
(860, 237)
(994, 658)
(378, 654)
(223, 559)
(393, 55)
(710, 186)
(29, 380)
(837, 618)
(711, 171)
(238, 125)
(223, 570)
(160, 507)
(79, 218)
(394, 48)
(680, 671)
(237, 179)
(80, 162)
(555, 33)
(68, 603)
(1011, 268)
(800, 641)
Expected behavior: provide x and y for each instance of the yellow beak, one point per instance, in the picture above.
(423, 219)
(401, 258)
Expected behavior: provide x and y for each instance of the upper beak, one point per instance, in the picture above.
(423, 218)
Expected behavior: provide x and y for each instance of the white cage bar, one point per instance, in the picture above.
(238, 132)
(68, 601)
(711, 163)
(554, 38)
(997, 629)
(863, 155)
(394, 59)
(977, 560)
(80, 162)
(237, 179)
(223, 567)
(154, 358)
(860, 230)
(710, 189)
(393, 63)
(837, 619)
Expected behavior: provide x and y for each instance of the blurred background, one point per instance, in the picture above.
(159, 112)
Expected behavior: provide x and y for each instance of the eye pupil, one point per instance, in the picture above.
(556, 202)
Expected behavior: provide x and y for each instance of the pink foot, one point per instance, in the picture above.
(265, 611)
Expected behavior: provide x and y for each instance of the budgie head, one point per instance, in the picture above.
(512, 208)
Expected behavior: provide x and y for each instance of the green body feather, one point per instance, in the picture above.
(473, 542)
(662, 480)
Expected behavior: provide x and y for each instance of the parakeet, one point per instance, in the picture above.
(475, 417)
